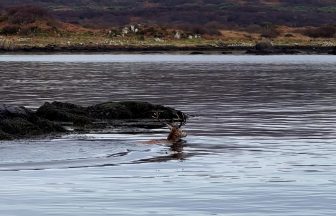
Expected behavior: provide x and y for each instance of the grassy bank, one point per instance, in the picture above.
(99, 42)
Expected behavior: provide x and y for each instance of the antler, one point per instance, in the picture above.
(156, 115)
(181, 119)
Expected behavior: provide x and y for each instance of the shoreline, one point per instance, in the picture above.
(192, 50)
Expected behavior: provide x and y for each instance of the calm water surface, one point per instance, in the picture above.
(262, 140)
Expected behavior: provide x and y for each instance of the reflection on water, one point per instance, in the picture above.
(261, 140)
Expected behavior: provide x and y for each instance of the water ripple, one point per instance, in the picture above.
(261, 138)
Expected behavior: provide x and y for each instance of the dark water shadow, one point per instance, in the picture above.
(175, 152)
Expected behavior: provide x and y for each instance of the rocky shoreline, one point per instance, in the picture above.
(58, 118)
(204, 49)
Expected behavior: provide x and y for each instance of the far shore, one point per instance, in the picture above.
(192, 50)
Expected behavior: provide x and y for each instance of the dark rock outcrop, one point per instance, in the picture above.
(7, 111)
(333, 52)
(65, 112)
(19, 122)
(263, 47)
(129, 110)
(197, 53)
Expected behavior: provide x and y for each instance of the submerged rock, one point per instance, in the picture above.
(20, 122)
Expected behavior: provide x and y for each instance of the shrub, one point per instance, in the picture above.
(154, 31)
(253, 28)
(265, 44)
(270, 33)
(113, 32)
(29, 30)
(10, 29)
(327, 31)
(269, 30)
(201, 30)
(289, 35)
(205, 31)
(20, 15)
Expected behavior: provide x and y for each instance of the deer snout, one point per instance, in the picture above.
(183, 134)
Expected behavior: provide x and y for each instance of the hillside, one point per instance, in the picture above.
(170, 25)
(209, 13)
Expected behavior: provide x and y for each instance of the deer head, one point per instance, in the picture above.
(175, 124)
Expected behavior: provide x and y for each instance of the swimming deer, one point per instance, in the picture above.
(176, 133)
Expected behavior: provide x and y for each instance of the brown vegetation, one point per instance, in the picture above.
(226, 13)
(327, 31)
(27, 14)
(27, 20)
